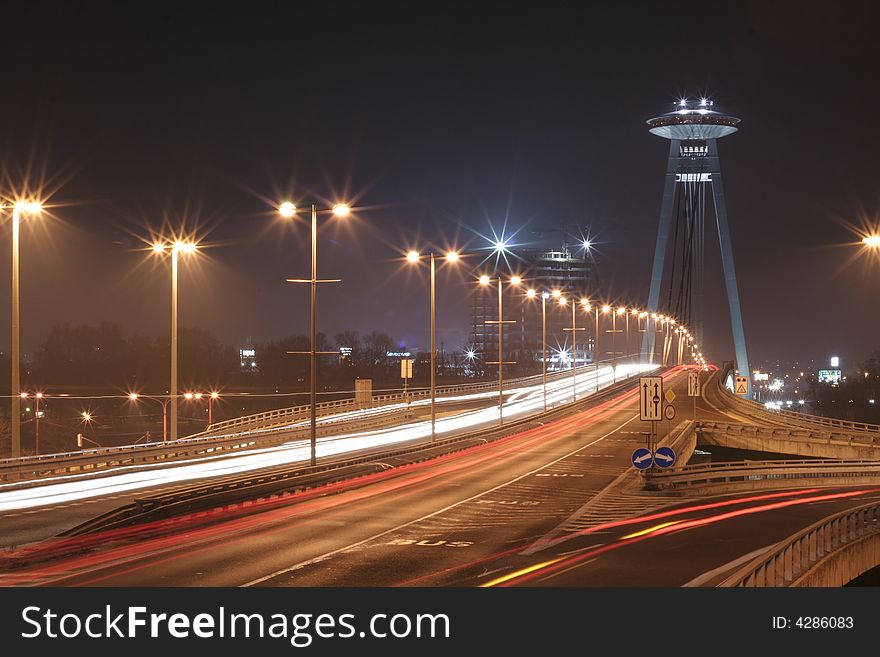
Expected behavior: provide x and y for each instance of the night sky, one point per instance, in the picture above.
(438, 121)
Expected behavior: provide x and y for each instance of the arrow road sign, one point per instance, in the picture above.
(651, 398)
(642, 458)
(664, 457)
(694, 384)
(741, 386)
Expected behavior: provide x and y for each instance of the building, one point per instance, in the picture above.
(567, 268)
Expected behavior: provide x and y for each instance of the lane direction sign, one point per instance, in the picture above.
(651, 398)
(642, 458)
(694, 384)
(664, 457)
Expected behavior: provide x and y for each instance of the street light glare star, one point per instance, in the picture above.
(871, 241)
(341, 210)
(287, 209)
(452, 256)
(158, 247)
(515, 280)
(133, 396)
(484, 280)
(530, 293)
(413, 256)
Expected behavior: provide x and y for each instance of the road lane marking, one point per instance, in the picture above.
(326, 555)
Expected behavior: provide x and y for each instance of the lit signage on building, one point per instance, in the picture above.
(829, 376)
(398, 354)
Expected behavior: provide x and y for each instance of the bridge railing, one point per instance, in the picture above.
(804, 419)
(793, 557)
(796, 433)
(101, 458)
(291, 414)
(268, 430)
(719, 473)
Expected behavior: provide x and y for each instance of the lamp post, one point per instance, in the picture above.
(574, 329)
(514, 281)
(18, 208)
(531, 294)
(414, 257)
(288, 210)
(175, 248)
(134, 396)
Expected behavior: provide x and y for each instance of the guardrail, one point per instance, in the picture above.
(720, 473)
(796, 555)
(249, 434)
(284, 415)
(802, 419)
(99, 459)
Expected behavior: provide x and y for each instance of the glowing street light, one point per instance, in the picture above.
(451, 257)
(288, 210)
(19, 208)
(515, 281)
(174, 248)
(871, 241)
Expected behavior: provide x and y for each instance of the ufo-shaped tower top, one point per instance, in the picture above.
(693, 120)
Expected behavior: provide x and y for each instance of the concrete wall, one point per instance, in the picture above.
(787, 445)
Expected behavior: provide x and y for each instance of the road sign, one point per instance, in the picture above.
(669, 412)
(651, 398)
(741, 385)
(406, 368)
(664, 457)
(642, 458)
(670, 396)
(694, 384)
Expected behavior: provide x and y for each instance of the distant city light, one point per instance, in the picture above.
(835, 361)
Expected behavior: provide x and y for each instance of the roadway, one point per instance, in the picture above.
(443, 521)
(36, 512)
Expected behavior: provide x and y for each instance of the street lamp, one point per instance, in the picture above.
(134, 396)
(175, 248)
(19, 208)
(451, 257)
(574, 329)
(871, 241)
(288, 210)
(531, 293)
(485, 280)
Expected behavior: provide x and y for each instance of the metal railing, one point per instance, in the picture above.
(802, 419)
(260, 430)
(795, 556)
(102, 458)
(284, 415)
(709, 474)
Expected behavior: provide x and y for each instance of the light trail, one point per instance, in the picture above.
(522, 401)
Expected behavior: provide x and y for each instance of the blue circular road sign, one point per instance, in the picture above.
(642, 458)
(664, 457)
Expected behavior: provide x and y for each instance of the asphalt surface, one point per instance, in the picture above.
(463, 519)
(24, 526)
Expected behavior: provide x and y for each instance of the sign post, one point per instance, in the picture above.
(406, 366)
(694, 389)
(651, 403)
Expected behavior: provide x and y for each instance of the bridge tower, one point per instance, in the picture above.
(693, 184)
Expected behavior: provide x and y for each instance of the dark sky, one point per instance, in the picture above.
(438, 120)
